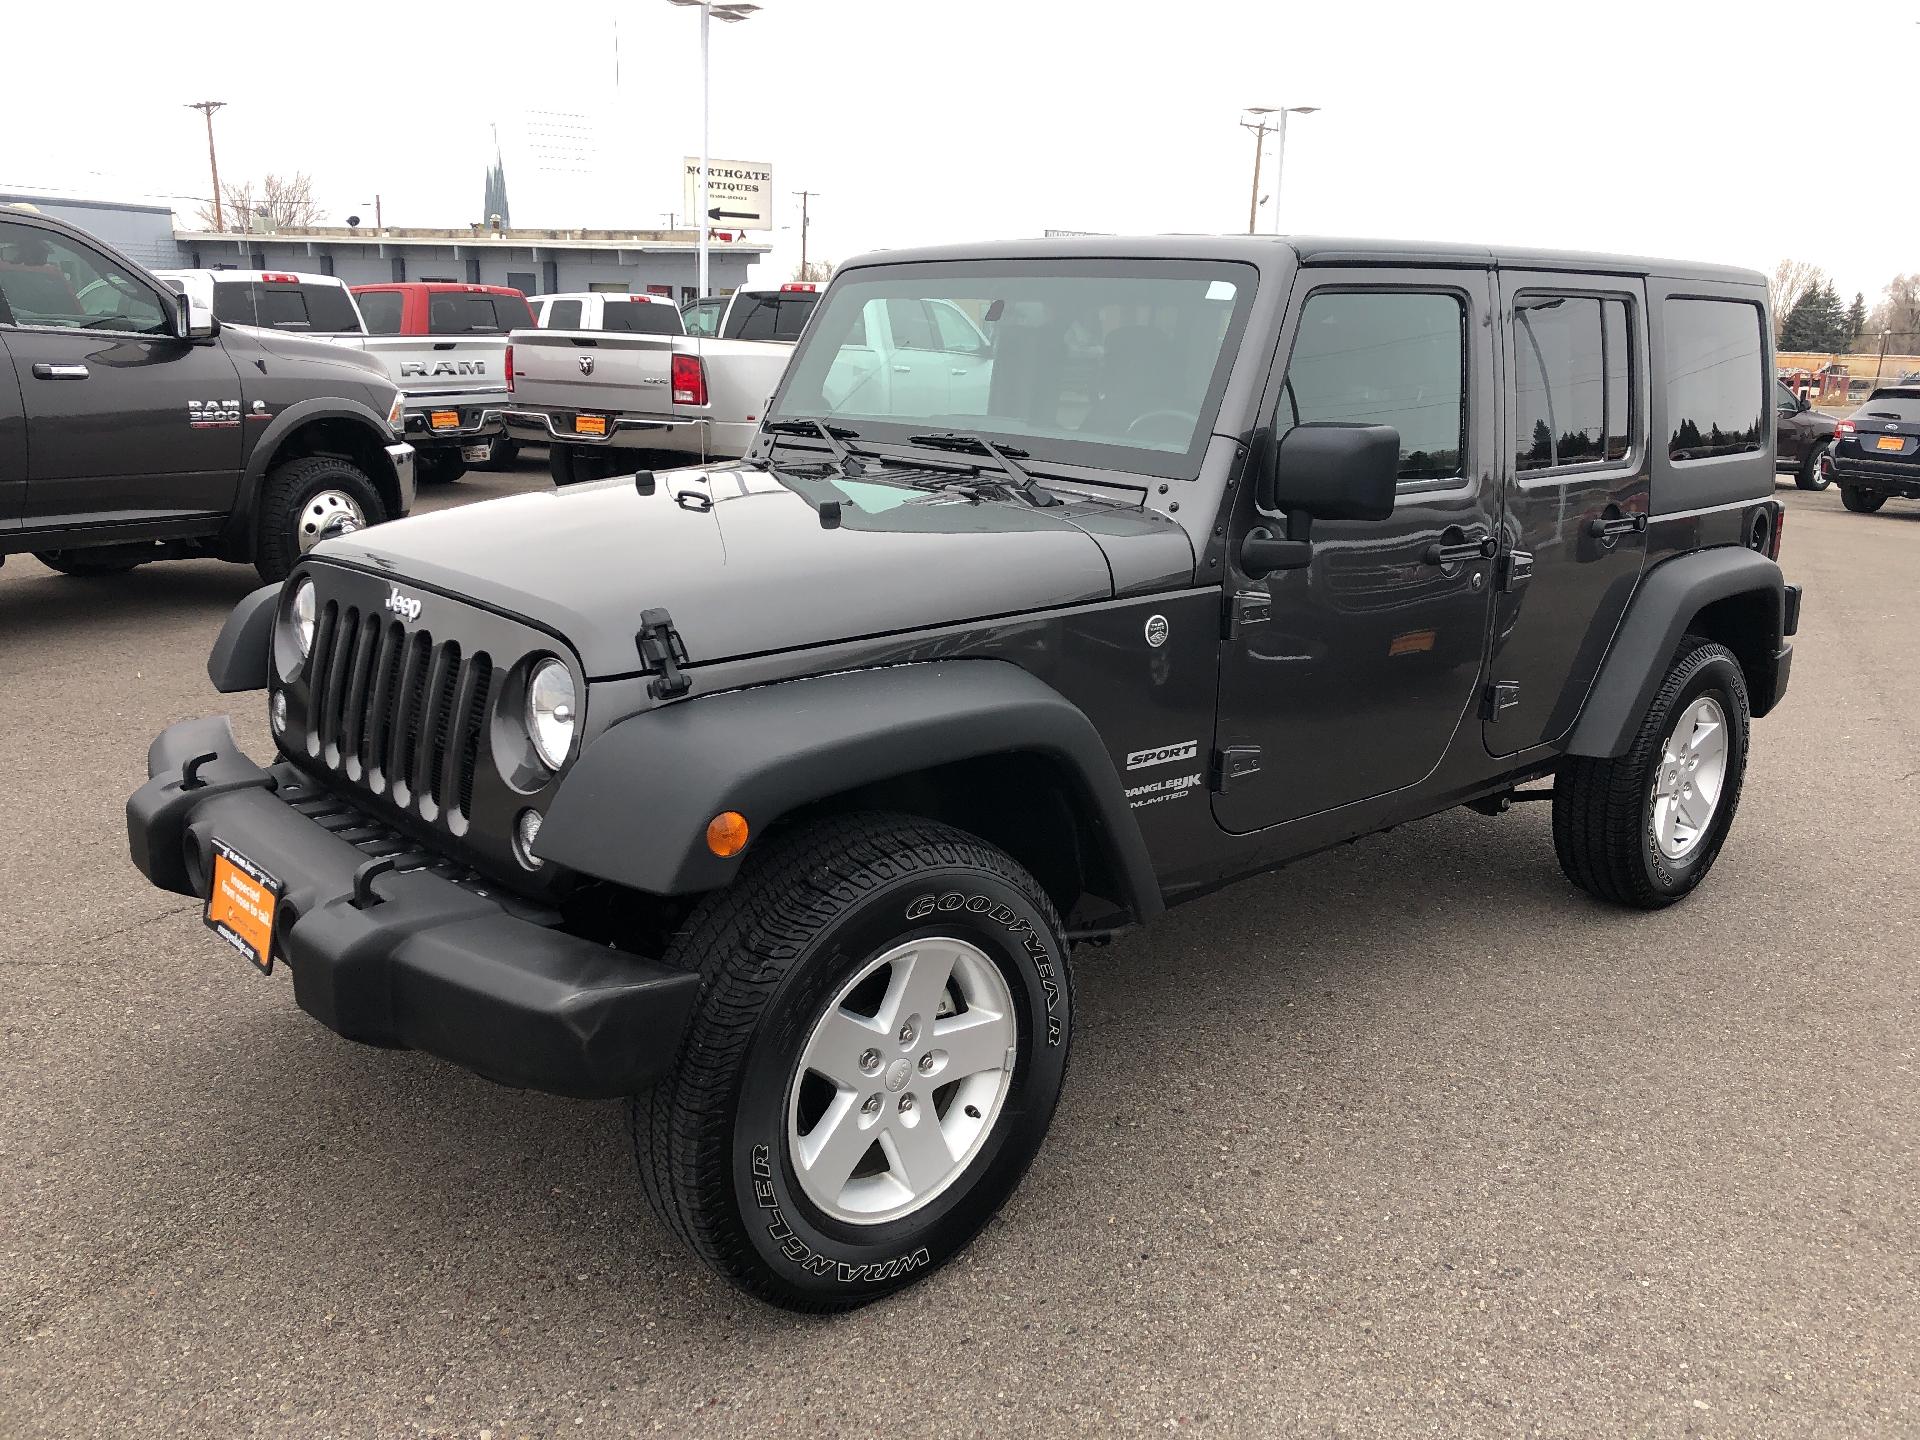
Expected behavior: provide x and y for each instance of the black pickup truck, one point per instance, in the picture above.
(775, 794)
(134, 426)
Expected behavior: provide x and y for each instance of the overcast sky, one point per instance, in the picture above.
(1675, 129)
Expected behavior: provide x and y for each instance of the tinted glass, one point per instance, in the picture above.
(1387, 358)
(233, 303)
(1619, 379)
(323, 309)
(1783, 398)
(770, 317)
(640, 318)
(563, 315)
(453, 313)
(381, 310)
(1890, 407)
(511, 312)
(1716, 387)
(50, 280)
(1098, 362)
(1559, 381)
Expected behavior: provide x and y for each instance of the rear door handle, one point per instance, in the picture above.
(59, 372)
(1455, 545)
(1622, 525)
(903, 369)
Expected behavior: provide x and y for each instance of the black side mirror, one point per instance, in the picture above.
(1324, 470)
(1804, 404)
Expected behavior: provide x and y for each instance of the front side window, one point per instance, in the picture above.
(703, 318)
(1716, 380)
(52, 281)
(1384, 357)
(1573, 381)
(1114, 363)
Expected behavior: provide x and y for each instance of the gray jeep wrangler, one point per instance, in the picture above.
(1065, 581)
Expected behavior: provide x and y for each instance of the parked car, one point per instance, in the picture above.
(1876, 450)
(774, 794)
(1802, 435)
(588, 310)
(448, 343)
(135, 426)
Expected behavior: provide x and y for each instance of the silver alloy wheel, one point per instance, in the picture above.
(331, 512)
(1692, 774)
(914, 1079)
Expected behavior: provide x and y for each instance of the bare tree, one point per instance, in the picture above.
(814, 270)
(1898, 311)
(1790, 281)
(276, 203)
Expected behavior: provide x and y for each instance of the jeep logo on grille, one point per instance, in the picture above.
(403, 605)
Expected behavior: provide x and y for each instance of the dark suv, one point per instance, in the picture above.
(1876, 451)
(775, 793)
(1802, 435)
(135, 427)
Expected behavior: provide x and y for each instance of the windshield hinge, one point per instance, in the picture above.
(662, 650)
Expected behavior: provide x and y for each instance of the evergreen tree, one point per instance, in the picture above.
(1802, 330)
(1856, 319)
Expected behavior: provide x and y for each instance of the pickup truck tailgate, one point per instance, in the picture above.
(424, 365)
(597, 370)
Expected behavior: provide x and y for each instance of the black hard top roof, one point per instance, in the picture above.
(1266, 250)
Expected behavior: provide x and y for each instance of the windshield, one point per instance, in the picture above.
(639, 317)
(1115, 363)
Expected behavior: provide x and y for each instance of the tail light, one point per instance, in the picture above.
(1844, 429)
(509, 369)
(689, 380)
(1779, 532)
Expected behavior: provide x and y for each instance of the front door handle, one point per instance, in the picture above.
(1456, 545)
(59, 372)
(903, 369)
(1619, 525)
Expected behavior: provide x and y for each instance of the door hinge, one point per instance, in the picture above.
(1236, 762)
(1249, 607)
(1499, 696)
(1515, 568)
(661, 649)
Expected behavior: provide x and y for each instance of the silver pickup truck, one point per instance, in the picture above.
(606, 402)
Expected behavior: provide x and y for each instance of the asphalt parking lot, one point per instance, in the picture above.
(1411, 1139)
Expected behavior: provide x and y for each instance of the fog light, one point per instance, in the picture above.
(280, 711)
(526, 830)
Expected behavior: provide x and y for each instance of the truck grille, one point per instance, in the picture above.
(398, 712)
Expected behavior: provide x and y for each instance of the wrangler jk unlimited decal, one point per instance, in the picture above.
(1002, 915)
(803, 1254)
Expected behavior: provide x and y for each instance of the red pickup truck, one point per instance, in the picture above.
(457, 371)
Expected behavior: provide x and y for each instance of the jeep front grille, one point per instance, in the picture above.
(397, 712)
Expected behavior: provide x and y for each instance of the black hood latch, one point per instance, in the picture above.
(662, 650)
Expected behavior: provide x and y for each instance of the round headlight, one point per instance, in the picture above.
(551, 712)
(303, 612)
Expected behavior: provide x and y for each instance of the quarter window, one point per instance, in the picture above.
(1385, 358)
(1573, 381)
(1716, 382)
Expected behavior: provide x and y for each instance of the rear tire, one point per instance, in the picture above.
(1625, 828)
(1861, 502)
(304, 502)
(78, 563)
(1815, 473)
(832, 971)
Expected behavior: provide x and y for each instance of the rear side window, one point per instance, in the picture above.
(563, 315)
(640, 318)
(381, 310)
(1388, 358)
(1573, 391)
(779, 316)
(1716, 384)
(321, 309)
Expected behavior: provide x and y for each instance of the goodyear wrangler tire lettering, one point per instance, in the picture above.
(810, 914)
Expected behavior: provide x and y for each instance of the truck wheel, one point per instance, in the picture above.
(85, 562)
(1816, 472)
(1642, 829)
(438, 467)
(881, 1037)
(1862, 502)
(304, 502)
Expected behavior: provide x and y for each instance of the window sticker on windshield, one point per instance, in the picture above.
(1222, 290)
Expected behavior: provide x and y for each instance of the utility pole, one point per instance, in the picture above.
(805, 195)
(1261, 129)
(206, 108)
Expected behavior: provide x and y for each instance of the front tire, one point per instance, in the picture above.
(1862, 502)
(818, 1143)
(1642, 829)
(306, 501)
(1816, 472)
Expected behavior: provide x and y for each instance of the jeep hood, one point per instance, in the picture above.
(748, 563)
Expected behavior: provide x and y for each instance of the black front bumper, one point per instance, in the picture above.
(418, 960)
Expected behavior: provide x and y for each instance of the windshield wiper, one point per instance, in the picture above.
(1003, 456)
(836, 437)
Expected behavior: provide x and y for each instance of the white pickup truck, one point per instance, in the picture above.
(594, 310)
(438, 375)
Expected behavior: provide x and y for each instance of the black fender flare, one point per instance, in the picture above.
(634, 807)
(1665, 604)
(241, 658)
(267, 444)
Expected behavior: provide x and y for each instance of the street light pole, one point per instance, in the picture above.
(730, 11)
(805, 195)
(1280, 156)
